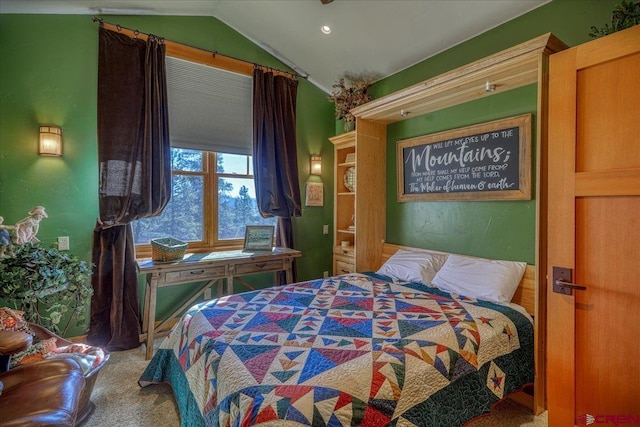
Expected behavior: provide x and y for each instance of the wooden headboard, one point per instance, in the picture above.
(525, 294)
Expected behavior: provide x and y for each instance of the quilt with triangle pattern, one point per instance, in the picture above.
(350, 350)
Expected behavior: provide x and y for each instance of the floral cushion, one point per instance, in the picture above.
(13, 320)
(86, 355)
(34, 353)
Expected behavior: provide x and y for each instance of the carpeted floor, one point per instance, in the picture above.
(121, 402)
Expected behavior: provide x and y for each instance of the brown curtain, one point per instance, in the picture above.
(275, 159)
(134, 158)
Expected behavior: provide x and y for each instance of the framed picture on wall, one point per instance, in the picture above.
(487, 161)
(258, 238)
(315, 194)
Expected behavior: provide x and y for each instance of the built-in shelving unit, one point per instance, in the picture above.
(521, 65)
(359, 215)
(344, 205)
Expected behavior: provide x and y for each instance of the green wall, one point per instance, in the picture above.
(48, 75)
(494, 229)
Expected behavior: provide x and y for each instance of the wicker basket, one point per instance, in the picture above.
(167, 249)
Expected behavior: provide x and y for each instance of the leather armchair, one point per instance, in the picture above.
(45, 393)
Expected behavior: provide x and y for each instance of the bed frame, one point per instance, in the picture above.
(525, 296)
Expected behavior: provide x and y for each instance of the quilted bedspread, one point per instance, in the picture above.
(348, 350)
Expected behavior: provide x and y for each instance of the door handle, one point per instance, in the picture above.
(570, 285)
(562, 281)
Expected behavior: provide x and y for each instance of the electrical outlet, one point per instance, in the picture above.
(325, 229)
(325, 274)
(63, 243)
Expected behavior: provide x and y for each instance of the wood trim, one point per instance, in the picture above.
(371, 180)
(523, 398)
(542, 156)
(200, 56)
(525, 294)
(616, 45)
(345, 138)
(561, 238)
(508, 69)
(624, 182)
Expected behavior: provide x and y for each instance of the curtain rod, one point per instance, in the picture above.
(227, 62)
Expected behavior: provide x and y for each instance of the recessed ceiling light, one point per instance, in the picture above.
(325, 29)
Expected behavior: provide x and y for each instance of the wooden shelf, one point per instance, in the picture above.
(346, 231)
(507, 70)
(344, 138)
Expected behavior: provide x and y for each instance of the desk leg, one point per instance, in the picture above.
(145, 307)
(152, 290)
(227, 289)
(289, 272)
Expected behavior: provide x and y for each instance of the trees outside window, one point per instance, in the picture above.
(205, 218)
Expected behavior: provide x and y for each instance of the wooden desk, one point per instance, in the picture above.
(214, 268)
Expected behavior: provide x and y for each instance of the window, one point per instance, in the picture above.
(205, 218)
(213, 196)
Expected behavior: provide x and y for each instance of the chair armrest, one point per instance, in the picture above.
(38, 370)
(43, 333)
(12, 342)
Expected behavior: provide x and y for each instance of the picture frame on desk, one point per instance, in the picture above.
(258, 238)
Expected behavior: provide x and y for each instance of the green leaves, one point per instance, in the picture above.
(48, 285)
(347, 96)
(626, 14)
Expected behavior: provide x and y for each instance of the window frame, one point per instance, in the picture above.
(211, 178)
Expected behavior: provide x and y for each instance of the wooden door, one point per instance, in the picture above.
(594, 229)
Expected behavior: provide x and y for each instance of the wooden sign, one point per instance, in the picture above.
(489, 161)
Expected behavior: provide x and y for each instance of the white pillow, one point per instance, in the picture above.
(412, 266)
(485, 279)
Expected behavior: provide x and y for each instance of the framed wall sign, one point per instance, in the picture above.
(315, 194)
(488, 161)
(258, 238)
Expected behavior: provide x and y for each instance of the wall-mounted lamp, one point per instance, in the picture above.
(488, 87)
(316, 164)
(50, 141)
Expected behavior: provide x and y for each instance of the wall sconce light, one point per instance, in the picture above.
(316, 164)
(50, 141)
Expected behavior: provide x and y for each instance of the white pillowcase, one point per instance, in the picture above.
(485, 279)
(412, 266)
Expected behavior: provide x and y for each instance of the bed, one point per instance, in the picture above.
(356, 349)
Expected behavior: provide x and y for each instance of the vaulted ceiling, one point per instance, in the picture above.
(375, 37)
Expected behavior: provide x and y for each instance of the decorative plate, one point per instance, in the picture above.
(350, 178)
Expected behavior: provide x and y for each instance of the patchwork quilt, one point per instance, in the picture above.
(350, 350)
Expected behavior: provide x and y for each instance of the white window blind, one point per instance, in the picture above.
(209, 109)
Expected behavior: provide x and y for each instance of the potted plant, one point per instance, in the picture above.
(348, 93)
(50, 286)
